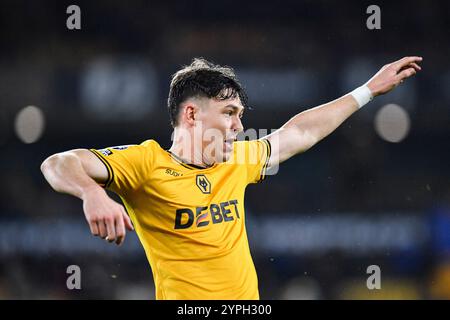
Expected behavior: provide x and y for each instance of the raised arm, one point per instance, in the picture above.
(78, 172)
(307, 128)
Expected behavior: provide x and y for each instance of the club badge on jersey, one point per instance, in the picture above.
(203, 183)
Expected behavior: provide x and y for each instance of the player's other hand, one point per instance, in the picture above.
(106, 218)
(392, 74)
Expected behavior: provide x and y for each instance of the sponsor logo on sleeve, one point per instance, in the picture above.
(105, 152)
(121, 147)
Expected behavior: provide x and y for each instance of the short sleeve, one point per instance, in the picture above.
(128, 166)
(254, 155)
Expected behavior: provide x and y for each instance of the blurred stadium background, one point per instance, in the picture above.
(376, 192)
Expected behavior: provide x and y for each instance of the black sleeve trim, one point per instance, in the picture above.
(108, 168)
(266, 163)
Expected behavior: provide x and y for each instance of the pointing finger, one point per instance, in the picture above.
(398, 65)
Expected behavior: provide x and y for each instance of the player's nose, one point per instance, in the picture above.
(237, 125)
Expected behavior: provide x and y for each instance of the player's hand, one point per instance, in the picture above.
(106, 218)
(392, 74)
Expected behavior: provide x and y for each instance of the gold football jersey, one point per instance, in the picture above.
(190, 220)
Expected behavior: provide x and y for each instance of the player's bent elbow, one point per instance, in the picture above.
(49, 163)
(54, 161)
(48, 169)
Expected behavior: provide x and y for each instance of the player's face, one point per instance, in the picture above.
(221, 122)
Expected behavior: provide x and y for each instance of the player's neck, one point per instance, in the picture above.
(186, 148)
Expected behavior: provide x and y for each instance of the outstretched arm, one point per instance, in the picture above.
(307, 128)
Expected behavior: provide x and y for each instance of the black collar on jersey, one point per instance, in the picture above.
(185, 164)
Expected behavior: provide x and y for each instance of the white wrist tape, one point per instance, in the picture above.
(362, 95)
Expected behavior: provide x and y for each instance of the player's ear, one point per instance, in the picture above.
(188, 113)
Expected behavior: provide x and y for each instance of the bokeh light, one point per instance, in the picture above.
(29, 124)
(392, 123)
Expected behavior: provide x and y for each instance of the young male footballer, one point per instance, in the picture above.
(187, 203)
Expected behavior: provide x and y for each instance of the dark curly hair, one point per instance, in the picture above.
(202, 79)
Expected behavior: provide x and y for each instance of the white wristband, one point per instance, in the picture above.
(362, 95)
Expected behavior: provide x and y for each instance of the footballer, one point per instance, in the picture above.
(186, 203)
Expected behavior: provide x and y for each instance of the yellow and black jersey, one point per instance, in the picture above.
(190, 220)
